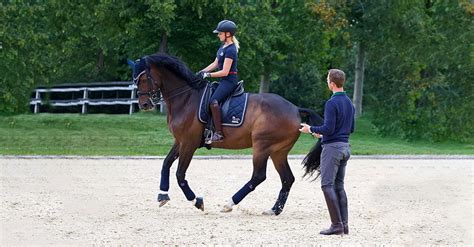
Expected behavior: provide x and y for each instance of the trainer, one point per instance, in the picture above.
(338, 125)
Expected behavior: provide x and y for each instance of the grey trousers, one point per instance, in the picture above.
(333, 163)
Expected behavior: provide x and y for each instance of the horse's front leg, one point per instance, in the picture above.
(186, 154)
(163, 197)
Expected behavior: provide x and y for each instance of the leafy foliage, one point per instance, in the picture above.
(418, 80)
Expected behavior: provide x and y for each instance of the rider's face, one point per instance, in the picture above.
(221, 36)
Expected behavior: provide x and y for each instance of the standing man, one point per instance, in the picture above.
(338, 125)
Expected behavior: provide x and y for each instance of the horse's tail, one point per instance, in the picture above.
(313, 117)
(311, 163)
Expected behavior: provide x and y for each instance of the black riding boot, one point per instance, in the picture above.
(332, 202)
(216, 118)
(343, 209)
(341, 194)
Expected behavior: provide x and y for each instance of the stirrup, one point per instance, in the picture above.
(217, 137)
(208, 136)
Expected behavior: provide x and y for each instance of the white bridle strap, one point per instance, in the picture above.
(138, 76)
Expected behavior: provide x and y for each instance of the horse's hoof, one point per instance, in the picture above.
(226, 209)
(163, 199)
(269, 212)
(162, 203)
(199, 203)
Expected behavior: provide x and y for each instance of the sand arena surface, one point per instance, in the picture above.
(64, 201)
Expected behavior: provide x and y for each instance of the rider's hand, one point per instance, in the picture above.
(201, 74)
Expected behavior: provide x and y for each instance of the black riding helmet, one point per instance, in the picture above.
(226, 26)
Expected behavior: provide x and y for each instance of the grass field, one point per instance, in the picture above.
(147, 134)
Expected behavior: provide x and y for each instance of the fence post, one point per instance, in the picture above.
(38, 99)
(132, 98)
(84, 104)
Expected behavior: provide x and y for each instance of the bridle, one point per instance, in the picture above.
(155, 95)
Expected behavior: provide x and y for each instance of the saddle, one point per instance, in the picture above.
(232, 110)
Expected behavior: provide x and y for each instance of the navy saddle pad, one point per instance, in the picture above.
(232, 110)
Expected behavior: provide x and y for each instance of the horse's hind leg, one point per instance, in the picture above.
(163, 197)
(280, 160)
(259, 175)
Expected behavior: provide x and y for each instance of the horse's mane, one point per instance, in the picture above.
(176, 66)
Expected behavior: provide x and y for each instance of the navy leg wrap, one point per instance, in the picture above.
(280, 203)
(187, 190)
(165, 179)
(248, 187)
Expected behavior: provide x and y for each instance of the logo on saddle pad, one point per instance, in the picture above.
(232, 110)
(235, 120)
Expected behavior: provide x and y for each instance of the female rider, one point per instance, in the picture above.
(226, 64)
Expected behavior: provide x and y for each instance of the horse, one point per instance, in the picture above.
(271, 128)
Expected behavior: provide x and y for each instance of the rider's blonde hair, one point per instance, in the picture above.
(236, 42)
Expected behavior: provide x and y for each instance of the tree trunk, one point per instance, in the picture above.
(164, 42)
(99, 67)
(359, 79)
(265, 81)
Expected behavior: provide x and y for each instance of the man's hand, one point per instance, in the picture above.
(316, 135)
(305, 128)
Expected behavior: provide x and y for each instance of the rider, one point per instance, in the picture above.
(226, 63)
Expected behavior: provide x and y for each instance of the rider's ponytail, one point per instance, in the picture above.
(236, 42)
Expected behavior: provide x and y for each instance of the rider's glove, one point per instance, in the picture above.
(203, 74)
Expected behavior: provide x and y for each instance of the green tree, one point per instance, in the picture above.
(24, 52)
(309, 51)
(417, 54)
(421, 84)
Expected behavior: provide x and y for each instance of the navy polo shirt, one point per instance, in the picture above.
(229, 51)
(338, 119)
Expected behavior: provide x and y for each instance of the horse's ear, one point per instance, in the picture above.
(131, 63)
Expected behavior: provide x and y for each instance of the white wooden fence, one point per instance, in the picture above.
(86, 101)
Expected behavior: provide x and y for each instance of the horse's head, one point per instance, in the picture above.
(148, 89)
(162, 75)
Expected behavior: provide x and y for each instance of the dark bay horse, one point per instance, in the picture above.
(270, 128)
